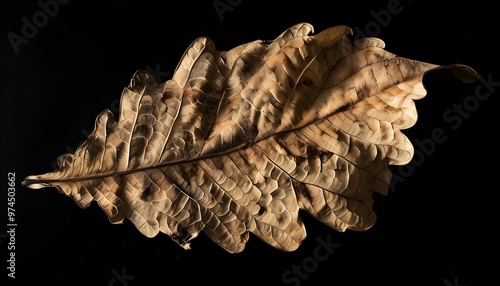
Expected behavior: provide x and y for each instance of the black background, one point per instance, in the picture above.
(434, 228)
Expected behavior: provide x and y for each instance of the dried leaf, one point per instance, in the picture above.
(241, 141)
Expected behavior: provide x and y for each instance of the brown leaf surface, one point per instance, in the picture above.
(240, 141)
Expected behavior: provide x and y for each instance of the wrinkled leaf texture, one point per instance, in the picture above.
(241, 141)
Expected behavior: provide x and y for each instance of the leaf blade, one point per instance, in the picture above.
(240, 141)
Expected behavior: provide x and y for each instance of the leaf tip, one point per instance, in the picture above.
(462, 72)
